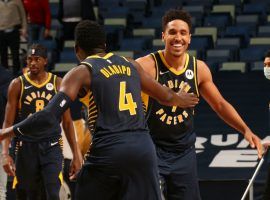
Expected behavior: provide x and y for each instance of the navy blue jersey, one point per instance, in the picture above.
(34, 97)
(172, 127)
(115, 103)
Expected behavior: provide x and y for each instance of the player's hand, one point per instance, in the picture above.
(187, 100)
(8, 165)
(254, 142)
(75, 166)
(6, 132)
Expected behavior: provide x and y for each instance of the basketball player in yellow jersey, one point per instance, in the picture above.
(172, 127)
(38, 163)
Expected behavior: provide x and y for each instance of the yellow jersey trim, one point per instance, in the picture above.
(125, 58)
(22, 86)
(55, 84)
(195, 76)
(38, 85)
(61, 178)
(171, 68)
(108, 55)
(156, 66)
(145, 97)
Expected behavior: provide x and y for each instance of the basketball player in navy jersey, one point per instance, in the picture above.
(122, 162)
(38, 162)
(172, 128)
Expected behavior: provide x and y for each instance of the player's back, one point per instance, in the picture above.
(115, 104)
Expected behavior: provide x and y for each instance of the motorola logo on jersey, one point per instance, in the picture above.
(189, 74)
(49, 86)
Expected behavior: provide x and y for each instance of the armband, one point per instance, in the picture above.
(58, 105)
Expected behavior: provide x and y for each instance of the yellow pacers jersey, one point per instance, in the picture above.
(172, 127)
(34, 97)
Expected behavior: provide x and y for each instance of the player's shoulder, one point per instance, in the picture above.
(147, 62)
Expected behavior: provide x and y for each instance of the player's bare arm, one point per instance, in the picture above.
(73, 81)
(164, 94)
(225, 110)
(14, 91)
(69, 131)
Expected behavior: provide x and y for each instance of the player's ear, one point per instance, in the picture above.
(162, 36)
(46, 61)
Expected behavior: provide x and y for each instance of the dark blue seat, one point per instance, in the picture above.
(219, 20)
(215, 57)
(202, 42)
(117, 12)
(238, 31)
(254, 8)
(68, 56)
(252, 54)
(251, 21)
(263, 31)
(134, 44)
(153, 22)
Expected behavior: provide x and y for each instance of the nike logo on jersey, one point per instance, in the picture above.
(161, 73)
(18, 129)
(27, 87)
(53, 143)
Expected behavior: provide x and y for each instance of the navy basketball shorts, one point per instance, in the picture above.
(122, 166)
(178, 174)
(39, 164)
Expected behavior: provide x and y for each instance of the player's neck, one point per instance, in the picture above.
(176, 62)
(38, 78)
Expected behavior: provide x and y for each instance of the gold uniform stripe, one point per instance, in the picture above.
(195, 76)
(125, 58)
(108, 55)
(85, 99)
(22, 86)
(171, 68)
(55, 83)
(87, 64)
(15, 182)
(61, 178)
(145, 97)
(38, 85)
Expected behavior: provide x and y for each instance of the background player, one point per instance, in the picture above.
(39, 162)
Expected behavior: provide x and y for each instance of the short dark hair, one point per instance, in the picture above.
(89, 35)
(267, 53)
(174, 14)
(37, 50)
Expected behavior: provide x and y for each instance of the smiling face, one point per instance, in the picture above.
(176, 37)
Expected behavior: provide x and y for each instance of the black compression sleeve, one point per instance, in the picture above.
(38, 125)
(46, 120)
(59, 104)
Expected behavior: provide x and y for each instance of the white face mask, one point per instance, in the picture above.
(267, 72)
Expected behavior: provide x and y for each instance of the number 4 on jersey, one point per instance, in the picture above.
(125, 100)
